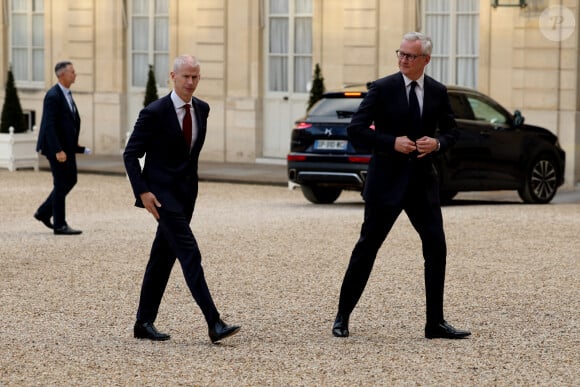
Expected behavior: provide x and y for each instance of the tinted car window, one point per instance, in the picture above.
(485, 112)
(460, 107)
(330, 106)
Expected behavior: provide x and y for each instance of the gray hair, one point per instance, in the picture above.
(183, 60)
(61, 66)
(426, 43)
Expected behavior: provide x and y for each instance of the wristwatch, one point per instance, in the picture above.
(438, 145)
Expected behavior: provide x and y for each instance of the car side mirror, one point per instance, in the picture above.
(518, 118)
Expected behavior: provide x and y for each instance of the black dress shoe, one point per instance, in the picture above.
(340, 327)
(148, 331)
(66, 230)
(45, 221)
(444, 331)
(220, 330)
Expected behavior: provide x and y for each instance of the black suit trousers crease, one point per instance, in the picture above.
(64, 178)
(424, 211)
(174, 239)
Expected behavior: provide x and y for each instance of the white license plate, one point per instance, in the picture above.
(330, 144)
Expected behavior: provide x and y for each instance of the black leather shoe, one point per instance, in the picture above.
(45, 221)
(340, 327)
(220, 330)
(444, 331)
(66, 230)
(148, 331)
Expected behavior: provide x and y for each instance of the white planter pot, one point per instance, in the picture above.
(18, 150)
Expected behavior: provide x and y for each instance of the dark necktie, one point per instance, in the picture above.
(72, 102)
(187, 125)
(415, 113)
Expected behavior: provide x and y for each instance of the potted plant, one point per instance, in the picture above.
(17, 142)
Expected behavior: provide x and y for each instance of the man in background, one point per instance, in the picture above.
(58, 141)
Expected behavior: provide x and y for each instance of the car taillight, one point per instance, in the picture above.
(359, 159)
(296, 158)
(302, 125)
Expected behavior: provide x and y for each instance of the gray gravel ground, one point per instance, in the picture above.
(274, 263)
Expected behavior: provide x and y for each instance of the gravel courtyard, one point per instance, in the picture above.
(274, 263)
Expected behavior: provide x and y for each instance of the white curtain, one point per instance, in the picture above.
(303, 51)
(290, 45)
(278, 66)
(27, 40)
(453, 25)
(437, 26)
(467, 43)
(149, 41)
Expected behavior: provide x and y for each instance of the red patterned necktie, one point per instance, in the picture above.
(187, 125)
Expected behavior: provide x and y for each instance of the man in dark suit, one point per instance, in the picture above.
(406, 108)
(58, 141)
(167, 187)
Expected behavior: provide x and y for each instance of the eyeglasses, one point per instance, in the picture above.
(410, 57)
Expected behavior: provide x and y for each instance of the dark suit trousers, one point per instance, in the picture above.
(64, 178)
(424, 212)
(174, 239)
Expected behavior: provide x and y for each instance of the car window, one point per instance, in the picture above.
(460, 107)
(332, 107)
(485, 112)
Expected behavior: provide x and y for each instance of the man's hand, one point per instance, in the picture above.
(426, 145)
(150, 202)
(61, 157)
(404, 145)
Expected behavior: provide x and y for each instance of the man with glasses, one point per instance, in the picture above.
(406, 108)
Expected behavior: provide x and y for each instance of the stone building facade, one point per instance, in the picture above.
(257, 57)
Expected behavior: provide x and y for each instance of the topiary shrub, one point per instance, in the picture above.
(317, 87)
(151, 90)
(12, 114)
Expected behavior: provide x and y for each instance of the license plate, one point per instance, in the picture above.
(330, 144)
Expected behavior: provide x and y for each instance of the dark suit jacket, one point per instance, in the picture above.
(59, 127)
(170, 170)
(386, 106)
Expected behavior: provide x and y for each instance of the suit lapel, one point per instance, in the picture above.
(427, 100)
(64, 102)
(200, 125)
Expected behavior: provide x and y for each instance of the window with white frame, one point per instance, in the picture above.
(27, 41)
(290, 45)
(149, 41)
(453, 25)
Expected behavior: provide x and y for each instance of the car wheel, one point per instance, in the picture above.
(320, 195)
(541, 181)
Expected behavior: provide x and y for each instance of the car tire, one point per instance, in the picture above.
(540, 181)
(320, 195)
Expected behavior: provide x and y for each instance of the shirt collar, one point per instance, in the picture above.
(419, 81)
(177, 101)
(64, 89)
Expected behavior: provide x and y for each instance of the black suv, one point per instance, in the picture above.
(495, 151)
